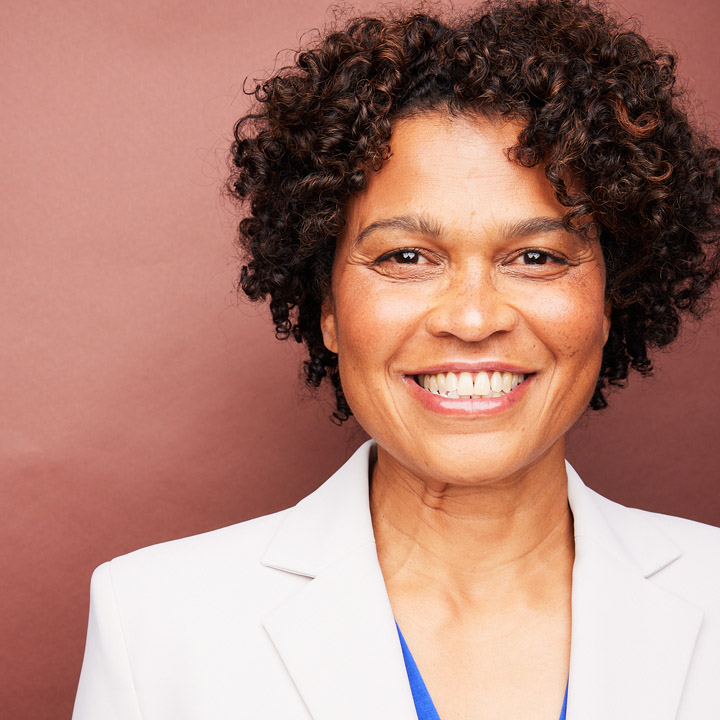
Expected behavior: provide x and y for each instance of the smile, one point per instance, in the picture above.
(466, 385)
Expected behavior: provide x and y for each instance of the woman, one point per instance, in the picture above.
(474, 226)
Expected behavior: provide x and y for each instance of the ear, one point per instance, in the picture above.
(328, 323)
(606, 320)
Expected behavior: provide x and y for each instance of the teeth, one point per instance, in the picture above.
(465, 385)
(484, 384)
(507, 382)
(442, 388)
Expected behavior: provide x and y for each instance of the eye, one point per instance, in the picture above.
(404, 256)
(408, 263)
(535, 257)
(536, 263)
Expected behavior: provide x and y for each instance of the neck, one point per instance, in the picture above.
(478, 542)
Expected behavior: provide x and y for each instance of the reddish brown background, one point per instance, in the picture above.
(140, 401)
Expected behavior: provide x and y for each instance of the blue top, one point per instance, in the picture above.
(423, 702)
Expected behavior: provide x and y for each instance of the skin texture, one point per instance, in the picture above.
(437, 268)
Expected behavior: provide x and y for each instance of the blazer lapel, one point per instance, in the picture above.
(632, 640)
(337, 635)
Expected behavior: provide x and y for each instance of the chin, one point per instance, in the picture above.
(467, 460)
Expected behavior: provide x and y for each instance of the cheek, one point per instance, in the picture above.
(573, 324)
(373, 317)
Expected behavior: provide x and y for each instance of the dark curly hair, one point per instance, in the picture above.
(597, 101)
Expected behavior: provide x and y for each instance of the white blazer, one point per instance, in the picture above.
(286, 617)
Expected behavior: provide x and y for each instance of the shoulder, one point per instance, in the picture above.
(210, 570)
(680, 555)
(691, 536)
(651, 539)
(699, 545)
(244, 561)
(239, 543)
(185, 619)
(676, 553)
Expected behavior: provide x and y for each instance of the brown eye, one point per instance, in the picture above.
(403, 256)
(535, 257)
(407, 257)
(407, 263)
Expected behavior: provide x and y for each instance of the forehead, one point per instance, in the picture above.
(454, 169)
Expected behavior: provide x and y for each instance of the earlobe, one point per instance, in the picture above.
(328, 324)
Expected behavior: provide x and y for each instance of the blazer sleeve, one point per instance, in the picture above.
(107, 689)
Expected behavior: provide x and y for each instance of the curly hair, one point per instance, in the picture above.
(597, 101)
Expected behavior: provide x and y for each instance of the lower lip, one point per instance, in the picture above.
(467, 406)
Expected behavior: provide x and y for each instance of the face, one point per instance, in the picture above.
(469, 325)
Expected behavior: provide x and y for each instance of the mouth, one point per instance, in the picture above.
(467, 385)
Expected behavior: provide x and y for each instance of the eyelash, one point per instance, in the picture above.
(546, 254)
(398, 253)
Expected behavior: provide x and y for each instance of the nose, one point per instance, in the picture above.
(471, 307)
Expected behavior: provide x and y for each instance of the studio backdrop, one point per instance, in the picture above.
(141, 399)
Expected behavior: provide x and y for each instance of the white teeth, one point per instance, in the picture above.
(507, 382)
(465, 385)
(485, 385)
(442, 388)
(482, 383)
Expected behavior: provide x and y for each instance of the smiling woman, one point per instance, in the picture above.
(454, 262)
(455, 266)
(475, 225)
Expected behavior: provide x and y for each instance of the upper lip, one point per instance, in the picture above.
(471, 367)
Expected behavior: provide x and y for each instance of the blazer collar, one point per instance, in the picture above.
(632, 640)
(329, 523)
(337, 635)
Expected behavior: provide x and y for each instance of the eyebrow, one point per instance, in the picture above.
(415, 224)
(423, 225)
